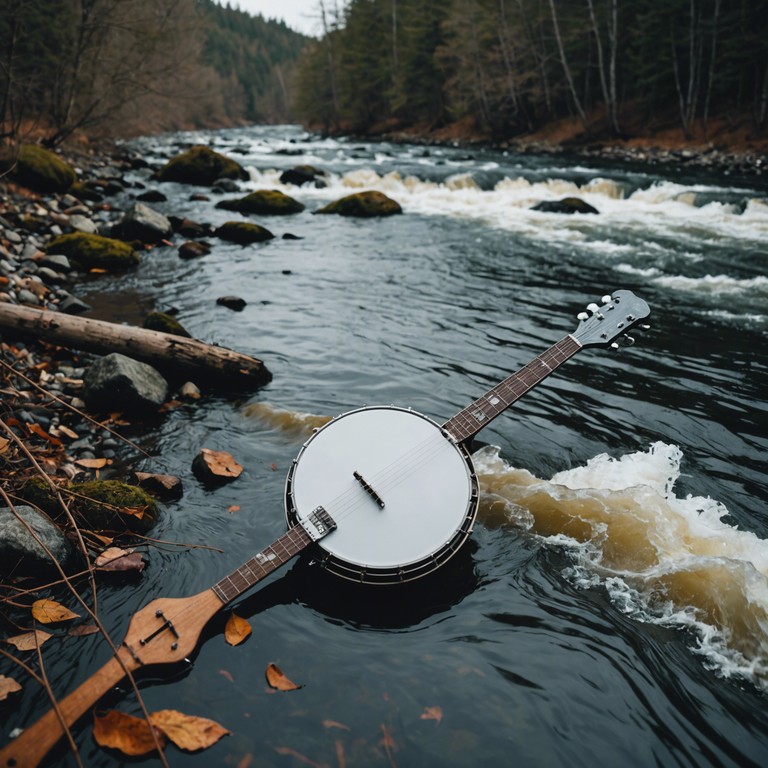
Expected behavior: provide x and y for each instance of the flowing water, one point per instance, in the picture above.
(612, 607)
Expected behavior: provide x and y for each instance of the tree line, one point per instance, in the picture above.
(509, 67)
(122, 67)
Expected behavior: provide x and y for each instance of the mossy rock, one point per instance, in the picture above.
(39, 169)
(161, 321)
(37, 492)
(114, 505)
(363, 205)
(243, 233)
(264, 202)
(201, 165)
(566, 205)
(94, 251)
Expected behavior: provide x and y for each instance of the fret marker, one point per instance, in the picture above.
(262, 558)
(494, 400)
(479, 415)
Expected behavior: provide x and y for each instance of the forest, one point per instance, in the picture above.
(122, 67)
(503, 68)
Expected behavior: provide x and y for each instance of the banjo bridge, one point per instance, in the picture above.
(375, 496)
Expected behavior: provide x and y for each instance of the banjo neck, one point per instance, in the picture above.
(469, 421)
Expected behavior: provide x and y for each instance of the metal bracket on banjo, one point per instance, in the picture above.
(318, 524)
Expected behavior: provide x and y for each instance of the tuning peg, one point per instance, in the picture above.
(614, 345)
(629, 341)
(582, 316)
(593, 307)
(645, 327)
(607, 299)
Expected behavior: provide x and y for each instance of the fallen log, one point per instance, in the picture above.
(175, 356)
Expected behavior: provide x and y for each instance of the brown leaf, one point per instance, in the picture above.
(126, 733)
(92, 463)
(335, 724)
(215, 465)
(432, 713)
(187, 731)
(40, 432)
(4, 444)
(7, 686)
(237, 629)
(301, 758)
(233, 508)
(163, 486)
(386, 740)
(83, 630)
(68, 432)
(227, 674)
(50, 612)
(28, 641)
(116, 559)
(112, 553)
(278, 680)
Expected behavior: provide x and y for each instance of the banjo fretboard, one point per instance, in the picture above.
(469, 421)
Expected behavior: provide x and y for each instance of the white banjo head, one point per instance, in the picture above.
(402, 493)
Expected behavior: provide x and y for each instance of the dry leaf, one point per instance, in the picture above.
(237, 629)
(278, 680)
(40, 432)
(116, 559)
(126, 733)
(233, 508)
(83, 630)
(227, 674)
(187, 731)
(50, 612)
(432, 713)
(112, 553)
(68, 432)
(4, 444)
(92, 463)
(7, 686)
(301, 758)
(215, 466)
(335, 724)
(28, 641)
(386, 740)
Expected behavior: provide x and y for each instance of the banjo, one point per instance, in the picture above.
(381, 495)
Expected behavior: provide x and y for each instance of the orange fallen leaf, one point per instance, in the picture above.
(335, 724)
(298, 756)
(215, 465)
(83, 630)
(188, 732)
(127, 561)
(109, 554)
(237, 629)
(227, 674)
(50, 612)
(68, 432)
(341, 757)
(278, 680)
(40, 432)
(4, 444)
(92, 463)
(126, 733)
(432, 713)
(245, 760)
(97, 271)
(233, 508)
(386, 740)
(28, 641)
(7, 686)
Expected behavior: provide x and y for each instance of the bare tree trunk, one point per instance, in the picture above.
(566, 68)
(504, 43)
(175, 354)
(711, 75)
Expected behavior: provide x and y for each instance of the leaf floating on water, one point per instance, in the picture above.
(335, 724)
(126, 733)
(237, 629)
(226, 673)
(7, 686)
(83, 630)
(110, 554)
(432, 713)
(116, 559)
(233, 508)
(28, 641)
(50, 612)
(301, 758)
(188, 732)
(277, 679)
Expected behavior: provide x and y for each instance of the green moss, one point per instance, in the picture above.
(94, 251)
(201, 165)
(114, 505)
(160, 321)
(264, 202)
(40, 169)
(243, 233)
(364, 205)
(37, 492)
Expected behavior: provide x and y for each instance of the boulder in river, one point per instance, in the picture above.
(302, 174)
(191, 249)
(364, 205)
(263, 202)
(165, 323)
(201, 165)
(94, 251)
(20, 553)
(39, 169)
(142, 223)
(114, 505)
(119, 383)
(243, 232)
(566, 205)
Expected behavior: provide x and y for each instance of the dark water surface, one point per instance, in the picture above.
(612, 608)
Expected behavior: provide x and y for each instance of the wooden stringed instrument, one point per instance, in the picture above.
(383, 494)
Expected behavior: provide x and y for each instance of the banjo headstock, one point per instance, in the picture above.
(607, 324)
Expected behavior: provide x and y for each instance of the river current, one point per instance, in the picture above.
(612, 606)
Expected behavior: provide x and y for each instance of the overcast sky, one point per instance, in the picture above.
(301, 15)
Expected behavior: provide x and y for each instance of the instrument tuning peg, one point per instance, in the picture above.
(614, 345)
(645, 327)
(582, 316)
(629, 341)
(607, 299)
(592, 307)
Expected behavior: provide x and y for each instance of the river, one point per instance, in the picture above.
(612, 606)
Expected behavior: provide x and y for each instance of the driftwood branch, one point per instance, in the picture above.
(175, 355)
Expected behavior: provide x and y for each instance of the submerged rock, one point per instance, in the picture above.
(38, 169)
(119, 383)
(192, 249)
(363, 205)
(243, 233)
(566, 205)
(165, 323)
(201, 165)
(264, 202)
(20, 553)
(232, 302)
(94, 251)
